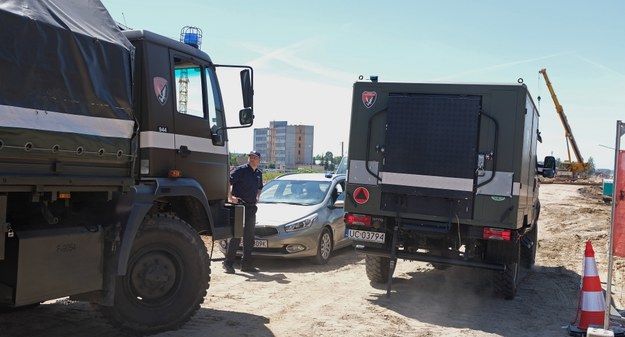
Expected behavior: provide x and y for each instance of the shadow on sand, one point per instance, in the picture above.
(546, 300)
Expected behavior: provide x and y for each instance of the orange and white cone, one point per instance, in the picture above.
(591, 310)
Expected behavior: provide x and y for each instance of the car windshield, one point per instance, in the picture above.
(295, 192)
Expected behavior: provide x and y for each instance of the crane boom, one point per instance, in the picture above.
(565, 123)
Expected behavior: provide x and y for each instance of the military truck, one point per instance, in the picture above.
(113, 160)
(446, 174)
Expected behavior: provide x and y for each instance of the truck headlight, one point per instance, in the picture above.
(301, 224)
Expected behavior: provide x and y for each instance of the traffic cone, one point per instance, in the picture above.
(591, 309)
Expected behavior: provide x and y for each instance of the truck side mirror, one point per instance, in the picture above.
(246, 116)
(247, 89)
(549, 167)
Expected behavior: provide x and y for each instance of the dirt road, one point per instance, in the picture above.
(297, 298)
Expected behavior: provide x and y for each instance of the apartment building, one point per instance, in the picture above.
(286, 146)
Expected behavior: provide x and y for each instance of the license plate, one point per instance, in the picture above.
(257, 244)
(367, 236)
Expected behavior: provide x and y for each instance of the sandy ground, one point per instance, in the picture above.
(297, 298)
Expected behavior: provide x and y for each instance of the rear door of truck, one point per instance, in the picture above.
(430, 153)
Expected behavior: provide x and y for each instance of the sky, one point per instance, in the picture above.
(307, 55)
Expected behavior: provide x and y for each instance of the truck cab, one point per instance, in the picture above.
(182, 129)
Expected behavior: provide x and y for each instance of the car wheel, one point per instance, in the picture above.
(168, 274)
(324, 247)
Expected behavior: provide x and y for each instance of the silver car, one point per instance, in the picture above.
(301, 215)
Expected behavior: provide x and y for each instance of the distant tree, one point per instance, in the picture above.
(233, 159)
(591, 163)
(327, 160)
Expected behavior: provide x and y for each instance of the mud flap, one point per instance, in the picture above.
(391, 265)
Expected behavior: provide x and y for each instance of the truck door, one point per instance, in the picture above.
(200, 141)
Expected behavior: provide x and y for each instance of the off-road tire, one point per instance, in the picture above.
(377, 268)
(166, 280)
(324, 247)
(506, 281)
(528, 255)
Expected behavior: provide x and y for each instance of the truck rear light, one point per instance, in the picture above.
(357, 219)
(174, 174)
(496, 234)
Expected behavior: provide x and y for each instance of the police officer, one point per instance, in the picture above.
(246, 183)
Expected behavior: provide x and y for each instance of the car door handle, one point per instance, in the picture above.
(184, 150)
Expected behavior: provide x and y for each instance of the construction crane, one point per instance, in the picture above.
(575, 168)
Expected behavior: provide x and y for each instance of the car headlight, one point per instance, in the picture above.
(302, 224)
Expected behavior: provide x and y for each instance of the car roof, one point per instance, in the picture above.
(310, 176)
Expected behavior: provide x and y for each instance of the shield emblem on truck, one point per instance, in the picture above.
(160, 89)
(368, 98)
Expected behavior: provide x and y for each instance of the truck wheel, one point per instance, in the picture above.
(506, 281)
(167, 277)
(377, 268)
(324, 247)
(528, 255)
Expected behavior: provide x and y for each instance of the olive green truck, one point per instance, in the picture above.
(446, 174)
(113, 160)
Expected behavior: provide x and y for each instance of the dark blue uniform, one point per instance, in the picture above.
(246, 182)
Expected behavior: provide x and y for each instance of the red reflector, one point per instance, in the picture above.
(174, 174)
(358, 219)
(496, 234)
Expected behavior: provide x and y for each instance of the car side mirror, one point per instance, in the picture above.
(340, 201)
(339, 204)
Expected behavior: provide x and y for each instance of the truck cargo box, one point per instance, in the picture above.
(65, 92)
